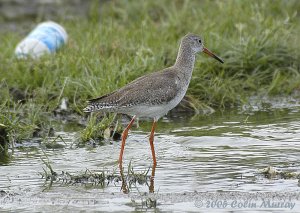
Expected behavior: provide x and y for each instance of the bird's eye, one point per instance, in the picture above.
(199, 41)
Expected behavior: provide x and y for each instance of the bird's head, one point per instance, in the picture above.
(195, 42)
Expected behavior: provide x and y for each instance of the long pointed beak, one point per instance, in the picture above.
(208, 52)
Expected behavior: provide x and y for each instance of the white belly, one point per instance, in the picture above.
(156, 111)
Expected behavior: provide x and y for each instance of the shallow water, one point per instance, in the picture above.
(201, 159)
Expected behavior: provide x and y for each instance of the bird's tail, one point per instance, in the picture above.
(99, 104)
(90, 108)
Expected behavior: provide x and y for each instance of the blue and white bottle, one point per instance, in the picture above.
(47, 37)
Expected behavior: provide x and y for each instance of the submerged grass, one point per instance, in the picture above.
(90, 178)
(258, 40)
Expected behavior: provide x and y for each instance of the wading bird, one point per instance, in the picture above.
(155, 94)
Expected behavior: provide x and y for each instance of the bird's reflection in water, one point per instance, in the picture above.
(143, 178)
(151, 187)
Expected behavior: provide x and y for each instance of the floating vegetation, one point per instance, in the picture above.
(271, 172)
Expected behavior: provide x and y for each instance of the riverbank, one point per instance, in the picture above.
(120, 41)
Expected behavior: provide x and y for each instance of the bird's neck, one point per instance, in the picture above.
(185, 62)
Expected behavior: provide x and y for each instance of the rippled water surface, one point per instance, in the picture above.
(201, 159)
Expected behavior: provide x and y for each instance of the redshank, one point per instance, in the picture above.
(155, 94)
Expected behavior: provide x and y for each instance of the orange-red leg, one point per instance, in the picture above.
(124, 136)
(151, 139)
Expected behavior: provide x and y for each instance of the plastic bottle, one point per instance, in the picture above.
(47, 37)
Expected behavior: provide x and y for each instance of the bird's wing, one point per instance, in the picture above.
(154, 88)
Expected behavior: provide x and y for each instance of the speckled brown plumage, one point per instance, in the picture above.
(157, 92)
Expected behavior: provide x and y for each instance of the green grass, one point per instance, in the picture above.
(258, 40)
